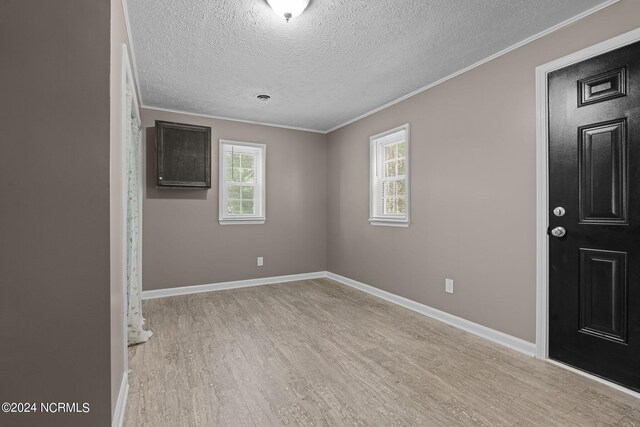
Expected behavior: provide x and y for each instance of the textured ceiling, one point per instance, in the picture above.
(336, 61)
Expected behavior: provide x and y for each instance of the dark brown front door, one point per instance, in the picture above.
(594, 188)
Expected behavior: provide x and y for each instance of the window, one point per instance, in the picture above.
(389, 183)
(242, 183)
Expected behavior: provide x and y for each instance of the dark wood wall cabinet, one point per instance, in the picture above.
(184, 155)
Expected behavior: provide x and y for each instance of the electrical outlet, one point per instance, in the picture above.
(448, 285)
(260, 261)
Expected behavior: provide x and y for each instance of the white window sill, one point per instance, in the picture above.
(241, 221)
(389, 222)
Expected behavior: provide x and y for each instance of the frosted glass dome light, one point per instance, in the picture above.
(288, 8)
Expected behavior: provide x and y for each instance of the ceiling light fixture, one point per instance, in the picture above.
(288, 8)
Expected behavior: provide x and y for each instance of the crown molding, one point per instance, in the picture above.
(481, 62)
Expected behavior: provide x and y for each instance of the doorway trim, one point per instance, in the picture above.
(542, 182)
(127, 78)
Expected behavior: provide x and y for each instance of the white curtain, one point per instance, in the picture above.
(137, 334)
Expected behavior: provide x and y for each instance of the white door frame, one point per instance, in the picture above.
(127, 78)
(542, 178)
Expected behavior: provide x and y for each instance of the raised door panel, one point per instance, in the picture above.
(603, 294)
(603, 173)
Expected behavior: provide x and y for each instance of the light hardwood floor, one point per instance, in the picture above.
(318, 353)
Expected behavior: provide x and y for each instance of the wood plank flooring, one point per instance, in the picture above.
(317, 353)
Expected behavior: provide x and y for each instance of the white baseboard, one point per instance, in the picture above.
(196, 289)
(498, 337)
(121, 405)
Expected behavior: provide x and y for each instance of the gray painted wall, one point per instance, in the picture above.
(473, 201)
(185, 245)
(54, 187)
(473, 186)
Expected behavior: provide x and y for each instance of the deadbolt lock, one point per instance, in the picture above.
(559, 211)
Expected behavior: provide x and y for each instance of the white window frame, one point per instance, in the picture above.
(376, 146)
(260, 186)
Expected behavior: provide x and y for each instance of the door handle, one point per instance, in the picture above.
(558, 232)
